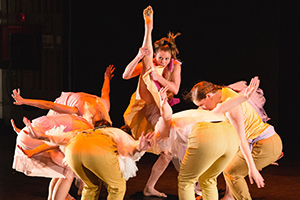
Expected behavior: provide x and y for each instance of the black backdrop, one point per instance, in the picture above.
(222, 42)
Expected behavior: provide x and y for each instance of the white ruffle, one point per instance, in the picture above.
(128, 165)
(57, 136)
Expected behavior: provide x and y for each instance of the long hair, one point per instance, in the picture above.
(168, 44)
(201, 89)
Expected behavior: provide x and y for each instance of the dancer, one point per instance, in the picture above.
(174, 140)
(266, 145)
(102, 154)
(48, 164)
(90, 107)
(143, 111)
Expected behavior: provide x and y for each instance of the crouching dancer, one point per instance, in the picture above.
(102, 154)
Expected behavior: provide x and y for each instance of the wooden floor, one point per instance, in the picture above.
(282, 182)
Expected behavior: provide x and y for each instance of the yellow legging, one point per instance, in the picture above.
(264, 153)
(93, 158)
(211, 147)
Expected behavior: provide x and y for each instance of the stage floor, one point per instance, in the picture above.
(282, 182)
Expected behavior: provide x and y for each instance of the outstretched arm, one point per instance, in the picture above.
(236, 118)
(106, 84)
(42, 148)
(43, 104)
(233, 102)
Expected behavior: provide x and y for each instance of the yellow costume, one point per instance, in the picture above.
(102, 154)
(211, 146)
(265, 144)
(138, 116)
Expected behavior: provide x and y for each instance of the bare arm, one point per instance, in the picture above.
(233, 102)
(43, 104)
(145, 143)
(42, 148)
(174, 84)
(134, 68)
(106, 84)
(236, 118)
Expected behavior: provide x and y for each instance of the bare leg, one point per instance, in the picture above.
(227, 195)
(51, 187)
(61, 189)
(158, 168)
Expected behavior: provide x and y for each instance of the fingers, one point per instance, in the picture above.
(17, 130)
(21, 149)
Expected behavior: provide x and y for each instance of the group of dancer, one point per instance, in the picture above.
(227, 133)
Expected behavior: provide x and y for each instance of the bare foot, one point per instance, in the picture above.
(153, 192)
(69, 197)
(148, 16)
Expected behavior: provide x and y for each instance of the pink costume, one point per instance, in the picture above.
(140, 117)
(50, 163)
(257, 100)
(87, 104)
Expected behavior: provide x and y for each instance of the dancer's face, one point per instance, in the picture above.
(208, 103)
(162, 58)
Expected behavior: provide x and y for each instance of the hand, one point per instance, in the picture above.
(252, 86)
(17, 130)
(31, 132)
(163, 95)
(145, 141)
(109, 72)
(255, 176)
(154, 75)
(17, 96)
(143, 51)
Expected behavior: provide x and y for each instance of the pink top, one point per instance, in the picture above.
(49, 163)
(88, 105)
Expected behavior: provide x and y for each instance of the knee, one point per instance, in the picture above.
(207, 182)
(167, 157)
(118, 190)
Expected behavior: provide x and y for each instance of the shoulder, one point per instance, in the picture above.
(227, 93)
(177, 62)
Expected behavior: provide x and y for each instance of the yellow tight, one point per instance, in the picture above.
(264, 153)
(93, 158)
(211, 147)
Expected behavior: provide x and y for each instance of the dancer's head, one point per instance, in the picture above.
(203, 95)
(102, 123)
(165, 49)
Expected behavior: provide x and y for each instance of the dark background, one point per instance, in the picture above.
(221, 41)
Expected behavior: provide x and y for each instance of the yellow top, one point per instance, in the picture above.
(254, 126)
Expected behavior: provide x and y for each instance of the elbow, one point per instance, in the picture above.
(175, 91)
(125, 76)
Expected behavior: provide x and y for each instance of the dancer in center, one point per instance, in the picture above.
(143, 111)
